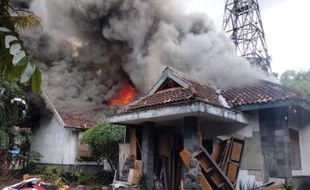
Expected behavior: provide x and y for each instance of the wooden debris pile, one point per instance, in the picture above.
(219, 170)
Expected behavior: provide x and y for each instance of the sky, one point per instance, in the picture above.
(286, 25)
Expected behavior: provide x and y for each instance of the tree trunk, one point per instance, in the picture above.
(4, 163)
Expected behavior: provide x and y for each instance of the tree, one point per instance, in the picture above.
(103, 139)
(20, 111)
(18, 72)
(297, 80)
(11, 112)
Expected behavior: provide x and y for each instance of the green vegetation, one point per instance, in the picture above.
(16, 65)
(297, 80)
(288, 185)
(18, 73)
(103, 139)
(17, 119)
(61, 176)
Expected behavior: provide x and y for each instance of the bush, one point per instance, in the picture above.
(52, 174)
(58, 175)
(288, 185)
(103, 139)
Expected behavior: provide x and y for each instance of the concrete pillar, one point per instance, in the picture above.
(148, 152)
(275, 143)
(190, 127)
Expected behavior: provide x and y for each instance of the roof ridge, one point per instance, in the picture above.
(187, 77)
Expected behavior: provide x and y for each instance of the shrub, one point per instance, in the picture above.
(103, 139)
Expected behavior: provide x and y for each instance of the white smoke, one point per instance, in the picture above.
(140, 37)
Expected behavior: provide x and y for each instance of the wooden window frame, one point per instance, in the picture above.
(295, 149)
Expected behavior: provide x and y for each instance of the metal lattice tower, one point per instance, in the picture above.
(243, 23)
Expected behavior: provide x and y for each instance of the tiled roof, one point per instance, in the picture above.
(260, 92)
(195, 91)
(75, 122)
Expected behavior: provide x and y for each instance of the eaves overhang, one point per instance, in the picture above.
(177, 111)
(279, 103)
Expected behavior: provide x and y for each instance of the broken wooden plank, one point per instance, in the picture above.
(213, 173)
(186, 157)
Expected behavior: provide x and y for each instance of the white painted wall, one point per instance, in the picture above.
(57, 144)
(212, 130)
(304, 136)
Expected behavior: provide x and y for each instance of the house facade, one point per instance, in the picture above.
(57, 138)
(180, 112)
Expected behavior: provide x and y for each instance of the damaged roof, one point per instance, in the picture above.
(74, 122)
(175, 87)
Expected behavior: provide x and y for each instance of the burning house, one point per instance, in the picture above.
(96, 54)
(179, 110)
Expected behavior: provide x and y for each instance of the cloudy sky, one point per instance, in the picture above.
(287, 29)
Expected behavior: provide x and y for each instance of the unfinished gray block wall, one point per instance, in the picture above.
(190, 127)
(252, 156)
(148, 152)
(275, 143)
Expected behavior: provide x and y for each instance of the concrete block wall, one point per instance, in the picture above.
(275, 143)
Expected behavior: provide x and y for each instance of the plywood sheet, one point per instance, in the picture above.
(133, 176)
(124, 152)
(236, 151)
(232, 172)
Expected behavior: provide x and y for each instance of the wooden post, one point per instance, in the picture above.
(133, 141)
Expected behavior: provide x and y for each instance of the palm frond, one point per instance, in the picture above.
(26, 20)
(4, 139)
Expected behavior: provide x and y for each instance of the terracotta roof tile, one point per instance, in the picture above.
(196, 91)
(162, 97)
(203, 91)
(72, 121)
(260, 92)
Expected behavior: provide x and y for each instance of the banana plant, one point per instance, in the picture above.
(16, 64)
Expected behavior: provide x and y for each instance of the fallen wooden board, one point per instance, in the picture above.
(273, 187)
(215, 176)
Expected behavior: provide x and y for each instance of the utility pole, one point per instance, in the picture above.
(243, 24)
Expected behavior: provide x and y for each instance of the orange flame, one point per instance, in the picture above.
(125, 96)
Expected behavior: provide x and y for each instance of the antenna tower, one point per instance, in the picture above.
(243, 23)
